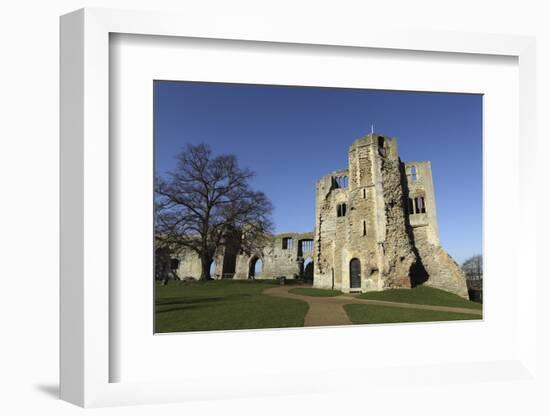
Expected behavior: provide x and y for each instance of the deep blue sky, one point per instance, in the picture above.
(292, 136)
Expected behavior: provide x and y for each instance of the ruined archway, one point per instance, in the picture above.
(255, 267)
(308, 269)
(213, 266)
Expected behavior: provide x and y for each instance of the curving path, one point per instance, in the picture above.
(330, 311)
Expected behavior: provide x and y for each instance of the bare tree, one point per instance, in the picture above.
(206, 203)
(473, 267)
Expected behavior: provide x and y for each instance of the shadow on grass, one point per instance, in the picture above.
(220, 305)
(199, 299)
(188, 301)
(186, 304)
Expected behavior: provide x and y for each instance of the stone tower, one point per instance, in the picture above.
(366, 233)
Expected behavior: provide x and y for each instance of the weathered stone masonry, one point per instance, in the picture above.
(287, 254)
(375, 228)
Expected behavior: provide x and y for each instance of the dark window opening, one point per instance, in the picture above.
(287, 243)
(339, 182)
(364, 228)
(341, 210)
(411, 206)
(364, 193)
(355, 274)
(420, 205)
(174, 264)
(381, 147)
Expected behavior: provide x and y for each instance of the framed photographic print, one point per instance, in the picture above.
(361, 243)
(262, 203)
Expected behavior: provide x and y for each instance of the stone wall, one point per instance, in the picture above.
(277, 261)
(441, 271)
(398, 253)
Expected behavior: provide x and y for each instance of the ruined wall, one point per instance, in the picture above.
(419, 183)
(276, 260)
(398, 247)
(330, 231)
(190, 265)
(442, 271)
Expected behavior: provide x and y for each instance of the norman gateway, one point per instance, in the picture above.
(375, 228)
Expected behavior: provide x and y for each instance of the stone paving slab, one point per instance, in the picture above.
(330, 311)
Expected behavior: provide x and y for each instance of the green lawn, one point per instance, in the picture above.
(309, 291)
(369, 314)
(422, 295)
(224, 304)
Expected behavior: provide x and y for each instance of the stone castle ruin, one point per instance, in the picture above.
(375, 229)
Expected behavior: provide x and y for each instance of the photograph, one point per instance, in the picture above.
(281, 206)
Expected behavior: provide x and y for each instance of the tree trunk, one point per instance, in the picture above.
(205, 267)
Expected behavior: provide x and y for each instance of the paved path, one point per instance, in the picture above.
(330, 311)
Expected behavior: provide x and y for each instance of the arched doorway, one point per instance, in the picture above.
(308, 269)
(355, 274)
(255, 267)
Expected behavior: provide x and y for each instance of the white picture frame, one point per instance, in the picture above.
(86, 301)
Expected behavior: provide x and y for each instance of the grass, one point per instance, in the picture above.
(223, 305)
(422, 295)
(369, 314)
(309, 291)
